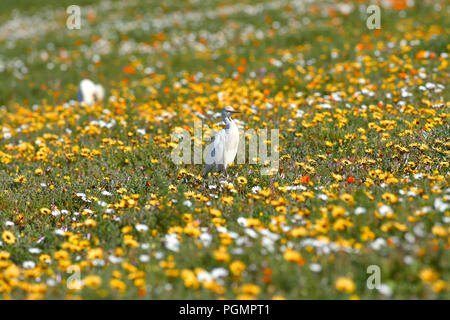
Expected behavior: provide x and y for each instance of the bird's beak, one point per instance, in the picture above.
(235, 111)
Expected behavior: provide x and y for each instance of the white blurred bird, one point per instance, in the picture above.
(89, 92)
(223, 148)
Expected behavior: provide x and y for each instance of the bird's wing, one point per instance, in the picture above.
(214, 155)
(215, 149)
(79, 95)
(87, 89)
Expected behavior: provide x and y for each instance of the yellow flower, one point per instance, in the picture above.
(281, 209)
(116, 274)
(189, 278)
(218, 221)
(245, 297)
(345, 284)
(8, 237)
(90, 223)
(428, 275)
(236, 267)
(118, 252)
(221, 254)
(439, 231)
(347, 198)
(292, 255)
(439, 286)
(322, 225)
(139, 282)
(341, 224)
(129, 241)
(336, 176)
(338, 211)
(242, 180)
(45, 211)
(368, 182)
(92, 281)
(215, 212)
(12, 272)
(117, 284)
(250, 289)
(392, 198)
(401, 227)
(20, 179)
(299, 232)
(4, 255)
(227, 200)
(127, 229)
(213, 286)
(44, 258)
(367, 234)
(94, 254)
(38, 171)
(187, 217)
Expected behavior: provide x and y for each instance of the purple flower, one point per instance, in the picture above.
(271, 186)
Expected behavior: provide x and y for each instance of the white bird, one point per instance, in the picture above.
(89, 92)
(224, 146)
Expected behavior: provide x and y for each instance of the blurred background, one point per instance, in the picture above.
(122, 41)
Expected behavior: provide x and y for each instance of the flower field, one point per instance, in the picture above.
(93, 207)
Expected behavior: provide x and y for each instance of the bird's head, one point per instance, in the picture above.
(228, 111)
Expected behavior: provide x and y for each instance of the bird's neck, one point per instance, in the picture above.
(227, 120)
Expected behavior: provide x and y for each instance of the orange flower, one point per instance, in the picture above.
(360, 46)
(305, 179)
(241, 69)
(91, 16)
(421, 54)
(161, 36)
(398, 4)
(141, 291)
(267, 275)
(129, 69)
(390, 242)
